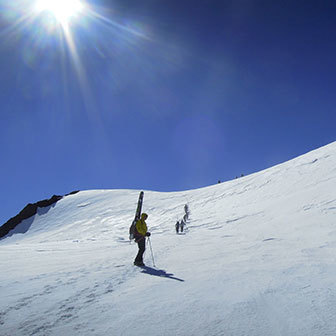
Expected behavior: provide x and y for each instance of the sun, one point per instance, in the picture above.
(62, 10)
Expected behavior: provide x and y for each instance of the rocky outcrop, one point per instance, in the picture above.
(28, 211)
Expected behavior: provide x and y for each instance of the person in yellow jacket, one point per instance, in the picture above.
(139, 236)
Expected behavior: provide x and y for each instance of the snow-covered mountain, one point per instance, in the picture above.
(258, 259)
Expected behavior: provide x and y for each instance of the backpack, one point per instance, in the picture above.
(132, 230)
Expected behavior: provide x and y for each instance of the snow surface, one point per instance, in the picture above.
(258, 258)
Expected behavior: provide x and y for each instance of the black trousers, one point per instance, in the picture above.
(142, 248)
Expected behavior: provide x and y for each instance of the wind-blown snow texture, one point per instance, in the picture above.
(259, 258)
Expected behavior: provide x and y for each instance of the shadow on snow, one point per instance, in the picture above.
(159, 273)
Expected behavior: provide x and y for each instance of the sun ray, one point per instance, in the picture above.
(69, 26)
(114, 24)
(82, 78)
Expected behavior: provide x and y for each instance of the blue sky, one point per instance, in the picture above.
(160, 95)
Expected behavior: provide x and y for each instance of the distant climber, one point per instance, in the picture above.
(182, 224)
(140, 234)
(187, 212)
(177, 226)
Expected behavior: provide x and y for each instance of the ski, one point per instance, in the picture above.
(137, 215)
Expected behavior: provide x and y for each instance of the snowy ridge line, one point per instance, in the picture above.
(28, 211)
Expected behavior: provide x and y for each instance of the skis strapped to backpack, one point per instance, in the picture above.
(137, 216)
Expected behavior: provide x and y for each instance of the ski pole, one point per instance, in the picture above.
(150, 245)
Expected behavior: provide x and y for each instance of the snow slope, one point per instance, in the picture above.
(259, 258)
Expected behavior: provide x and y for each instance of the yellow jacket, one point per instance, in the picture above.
(141, 226)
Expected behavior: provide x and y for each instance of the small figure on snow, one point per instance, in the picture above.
(177, 226)
(182, 224)
(185, 218)
(186, 210)
(140, 235)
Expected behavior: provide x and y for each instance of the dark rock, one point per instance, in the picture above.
(73, 192)
(28, 211)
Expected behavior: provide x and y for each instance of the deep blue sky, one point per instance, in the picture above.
(161, 95)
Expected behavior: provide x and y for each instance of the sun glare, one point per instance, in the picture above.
(62, 10)
(62, 28)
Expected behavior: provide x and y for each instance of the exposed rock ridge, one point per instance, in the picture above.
(28, 211)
